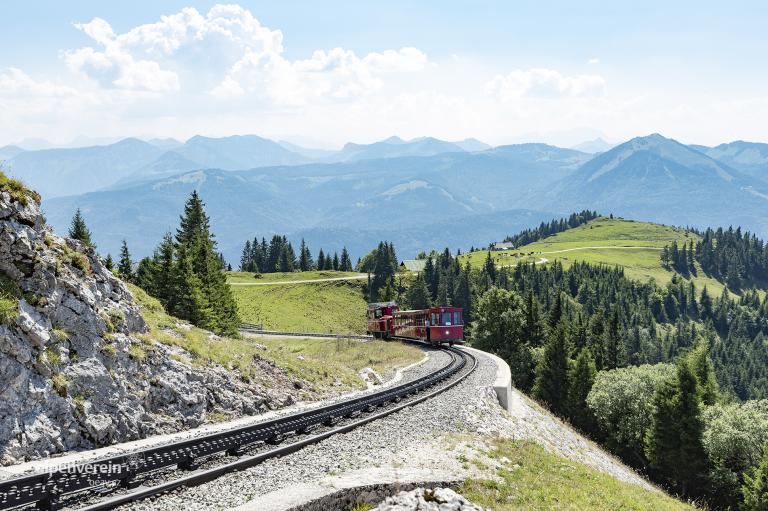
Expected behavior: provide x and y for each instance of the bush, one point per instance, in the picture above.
(60, 383)
(9, 310)
(621, 401)
(17, 190)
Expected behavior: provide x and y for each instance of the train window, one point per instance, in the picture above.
(435, 318)
(457, 318)
(447, 319)
(378, 313)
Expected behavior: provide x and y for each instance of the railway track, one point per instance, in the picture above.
(110, 482)
(254, 329)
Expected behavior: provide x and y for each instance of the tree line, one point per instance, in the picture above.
(740, 260)
(665, 376)
(554, 226)
(279, 256)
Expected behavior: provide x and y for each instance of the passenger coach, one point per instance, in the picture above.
(436, 325)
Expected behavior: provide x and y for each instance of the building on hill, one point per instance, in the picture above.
(413, 265)
(502, 245)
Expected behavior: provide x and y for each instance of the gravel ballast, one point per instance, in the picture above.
(408, 445)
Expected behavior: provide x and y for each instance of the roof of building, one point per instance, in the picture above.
(503, 245)
(416, 265)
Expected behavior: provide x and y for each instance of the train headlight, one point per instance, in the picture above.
(446, 332)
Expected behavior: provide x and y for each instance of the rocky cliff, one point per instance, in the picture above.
(77, 369)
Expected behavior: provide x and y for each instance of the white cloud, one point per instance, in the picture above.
(544, 83)
(228, 53)
(594, 61)
(15, 83)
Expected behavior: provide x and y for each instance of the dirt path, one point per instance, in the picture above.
(288, 282)
(617, 247)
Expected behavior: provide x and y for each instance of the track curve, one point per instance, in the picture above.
(53, 491)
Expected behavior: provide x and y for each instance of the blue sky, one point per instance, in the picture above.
(499, 71)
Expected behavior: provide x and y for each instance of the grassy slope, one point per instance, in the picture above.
(533, 478)
(321, 362)
(639, 263)
(307, 307)
(248, 277)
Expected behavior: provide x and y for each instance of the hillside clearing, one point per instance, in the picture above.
(323, 306)
(249, 278)
(530, 477)
(327, 365)
(631, 244)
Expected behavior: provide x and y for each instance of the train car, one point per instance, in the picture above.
(381, 319)
(436, 325)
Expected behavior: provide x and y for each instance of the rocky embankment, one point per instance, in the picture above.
(77, 369)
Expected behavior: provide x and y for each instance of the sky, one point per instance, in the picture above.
(325, 73)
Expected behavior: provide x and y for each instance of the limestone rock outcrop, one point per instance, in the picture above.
(76, 368)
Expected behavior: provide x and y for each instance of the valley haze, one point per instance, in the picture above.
(418, 193)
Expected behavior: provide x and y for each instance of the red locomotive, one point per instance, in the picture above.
(380, 319)
(436, 325)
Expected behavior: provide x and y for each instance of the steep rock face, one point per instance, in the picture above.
(77, 369)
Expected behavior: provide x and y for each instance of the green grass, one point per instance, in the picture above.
(617, 234)
(304, 307)
(318, 361)
(249, 278)
(17, 190)
(529, 477)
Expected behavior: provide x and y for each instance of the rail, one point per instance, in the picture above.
(47, 490)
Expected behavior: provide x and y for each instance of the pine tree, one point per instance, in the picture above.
(109, 263)
(79, 231)
(674, 439)
(613, 341)
(305, 257)
(336, 266)
(580, 379)
(321, 260)
(755, 488)
(551, 384)
(490, 267)
(463, 292)
(146, 276)
(285, 262)
(533, 328)
(418, 294)
(125, 266)
(345, 263)
(246, 259)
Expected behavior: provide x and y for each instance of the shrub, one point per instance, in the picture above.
(9, 310)
(137, 353)
(17, 190)
(109, 350)
(60, 382)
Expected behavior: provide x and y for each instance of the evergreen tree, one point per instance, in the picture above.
(305, 258)
(321, 260)
(246, 259)
(674, 446)
(146, 275)
(418, 294)
(551, 384)
(109, 263)
(463, 292)
(580, 379)
(125, 266)
(533, 329)
(285, 261)
(613, 341)
(79, 231)
(336, 266)
(345, 264)
(490, 267)
(755, 488)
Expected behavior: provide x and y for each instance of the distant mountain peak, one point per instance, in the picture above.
(394, 139)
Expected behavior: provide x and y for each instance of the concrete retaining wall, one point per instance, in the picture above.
(503, 383)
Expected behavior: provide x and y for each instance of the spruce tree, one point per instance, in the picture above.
(580, 379)
(321, 260)
(146, 276)
(345, 263)
(551, 384)
(418, 294)
(533, 329)
(284, 262)
(755, 488)
(125, 266)
(336, 266)
(674, 446)
(79, 231)
(463, 292)
(305, 257)
(109, 263)
(246, 259)
(613, 341)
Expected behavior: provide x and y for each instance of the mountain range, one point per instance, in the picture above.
(420, 193)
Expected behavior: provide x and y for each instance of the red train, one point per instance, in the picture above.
(436, 325)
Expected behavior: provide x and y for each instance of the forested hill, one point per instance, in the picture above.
(664, 364)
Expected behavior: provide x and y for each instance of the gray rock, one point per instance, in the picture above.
(425, 499)
(82, 389)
